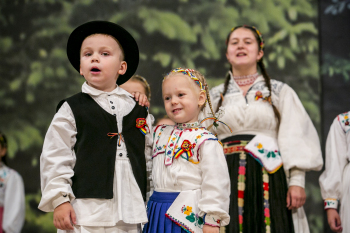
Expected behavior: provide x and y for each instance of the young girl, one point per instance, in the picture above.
(335, 180)
(190, 176)
(139, 84)
(271, 145)
(12, 204)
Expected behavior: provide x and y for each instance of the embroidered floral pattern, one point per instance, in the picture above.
(259, 95)
(241, 188)
(266, 188)
(192, 217)
(142, 124)
(330, 203)
(344, 121)
(267, 154)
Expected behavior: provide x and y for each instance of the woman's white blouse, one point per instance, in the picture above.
(205, 170)
(12, 199)
(335, 180)
(58, 160)
(253, 114)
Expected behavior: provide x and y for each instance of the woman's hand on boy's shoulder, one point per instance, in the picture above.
(64, 216)
(141, 98)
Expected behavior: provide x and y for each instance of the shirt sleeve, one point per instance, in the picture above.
(331, 178)
(214, 204)
(148, 154)
(58, 160)
(297, 137)
(14, 204)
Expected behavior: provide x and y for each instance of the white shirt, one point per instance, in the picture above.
(206, 170)
(335, 180)
(58, 159)
(12, 199)
(297, 137)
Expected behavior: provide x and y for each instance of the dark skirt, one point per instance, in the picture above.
(253, 218)
(157, 207)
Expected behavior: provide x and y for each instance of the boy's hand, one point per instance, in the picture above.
(334, 220)
(295, 197)
(64, 216)
(210, 229)
(141, 98)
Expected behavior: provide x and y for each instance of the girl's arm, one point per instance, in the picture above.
(214, 204)
(331, 179)
(14, 204)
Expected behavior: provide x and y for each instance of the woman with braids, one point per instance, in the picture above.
(190, 175)
(269, 141)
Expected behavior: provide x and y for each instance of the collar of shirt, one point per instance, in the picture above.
(95, 92)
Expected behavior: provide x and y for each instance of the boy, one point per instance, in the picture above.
(93, 166)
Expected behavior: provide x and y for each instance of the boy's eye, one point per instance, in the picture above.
(87, 54)
(105, 54)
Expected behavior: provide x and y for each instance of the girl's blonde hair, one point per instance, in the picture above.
(144, 83)
(198, 79)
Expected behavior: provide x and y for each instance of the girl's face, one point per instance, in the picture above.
(243, 49)
(132, 87)
(182, 98)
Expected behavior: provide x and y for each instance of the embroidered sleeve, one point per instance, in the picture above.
(212, 220)
(336, 160)
(216, 184)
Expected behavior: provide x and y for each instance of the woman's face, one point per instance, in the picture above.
(243, 49)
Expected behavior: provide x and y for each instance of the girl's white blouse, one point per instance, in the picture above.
(335, 180)
(12, 199)
(206, 169)
(297, 137)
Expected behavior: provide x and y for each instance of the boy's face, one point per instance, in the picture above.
(100, 62)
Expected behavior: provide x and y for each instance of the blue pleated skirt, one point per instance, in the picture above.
(157, 207)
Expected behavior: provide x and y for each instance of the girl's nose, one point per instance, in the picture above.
(174, 100)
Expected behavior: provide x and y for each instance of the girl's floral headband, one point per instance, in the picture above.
(189, 72)
(261, 45)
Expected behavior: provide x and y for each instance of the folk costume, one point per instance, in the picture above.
(94, 151)
(190, 178)
(335, 180)
(265, 158)
(12, 202)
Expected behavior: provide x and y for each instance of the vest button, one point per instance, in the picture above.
(111, 102)
(120, 154)
(113, 107)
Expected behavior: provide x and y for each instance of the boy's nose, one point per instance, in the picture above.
(94, 58)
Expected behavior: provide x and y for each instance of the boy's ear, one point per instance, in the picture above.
(202, 98)
(123, 67)
(81, 72)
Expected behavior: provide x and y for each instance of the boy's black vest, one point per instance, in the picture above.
(96, 152)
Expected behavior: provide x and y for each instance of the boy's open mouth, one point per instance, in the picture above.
(94, 69)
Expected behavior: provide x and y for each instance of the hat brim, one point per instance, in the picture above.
(128, 43)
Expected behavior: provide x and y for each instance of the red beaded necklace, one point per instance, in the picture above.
(245, 80)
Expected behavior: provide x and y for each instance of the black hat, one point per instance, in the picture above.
(128, 43)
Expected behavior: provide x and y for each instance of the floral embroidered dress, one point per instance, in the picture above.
(259, 194)
(188, 159)
(335, 180)
(12, 203)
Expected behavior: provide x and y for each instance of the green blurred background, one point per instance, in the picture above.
(35, 73)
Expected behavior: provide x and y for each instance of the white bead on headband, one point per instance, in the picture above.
(189, 72)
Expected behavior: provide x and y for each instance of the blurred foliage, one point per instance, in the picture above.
(35, 73)
(334, 65)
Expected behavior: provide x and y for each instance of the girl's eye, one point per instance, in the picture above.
(166, 98)
(181, 94)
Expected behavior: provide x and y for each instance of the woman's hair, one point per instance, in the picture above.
(261, 66)
(198, 79)
(144, 83)
(3, 144)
